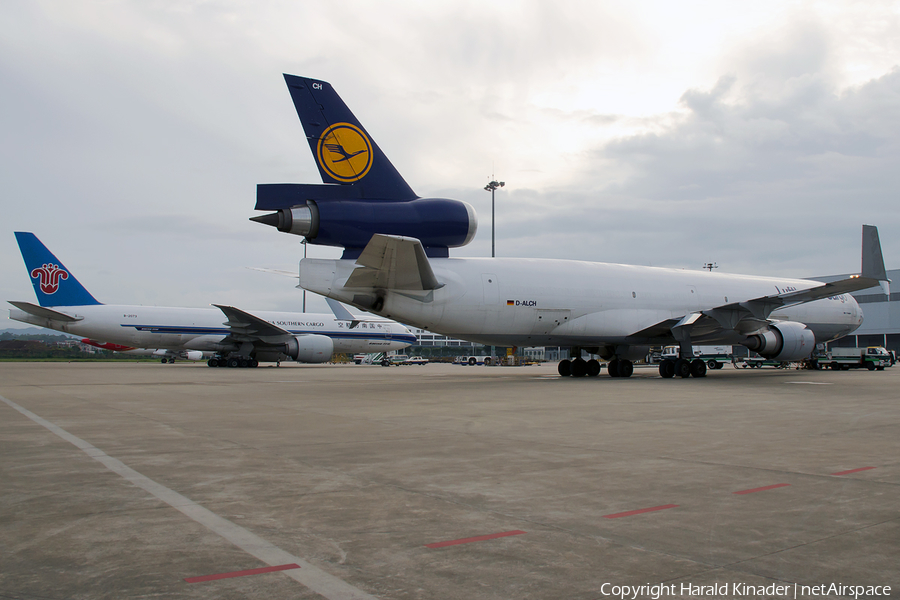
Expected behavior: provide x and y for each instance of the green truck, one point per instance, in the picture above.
(871, 358)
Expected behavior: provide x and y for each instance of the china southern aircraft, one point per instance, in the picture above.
(244, 339)
(396, 264)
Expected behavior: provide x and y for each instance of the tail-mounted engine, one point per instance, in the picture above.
(783, 340)
(310, 348)
(439, 223)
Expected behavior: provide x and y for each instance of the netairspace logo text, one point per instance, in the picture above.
(741, 590)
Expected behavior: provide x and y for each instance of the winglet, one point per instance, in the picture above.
(341, 313)
(872, 259)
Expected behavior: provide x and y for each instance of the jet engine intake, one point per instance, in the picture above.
(310, 348)
(784, 340)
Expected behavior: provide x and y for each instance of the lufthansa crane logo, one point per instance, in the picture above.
(345, 152)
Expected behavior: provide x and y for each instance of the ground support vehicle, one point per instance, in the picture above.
(714, 356)
(758, 362)
(477, 360)
(394, 360)
(415, 360)
(871, 358)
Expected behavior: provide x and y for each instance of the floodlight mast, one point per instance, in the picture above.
(492, 187)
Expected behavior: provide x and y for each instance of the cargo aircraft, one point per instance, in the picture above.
(396, 264)
(244, 339)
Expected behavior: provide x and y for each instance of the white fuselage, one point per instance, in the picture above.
(204, 329)
(545, 302)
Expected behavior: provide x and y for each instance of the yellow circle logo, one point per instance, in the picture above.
(345, 152)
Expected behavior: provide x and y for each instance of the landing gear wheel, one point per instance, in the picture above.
(682, 368)
(212, 363)
(667, 369)
(626, 368)
(164, 361)
(579, 367)
(234, 363)
(613, 367)
(593, 367)
(254, 363)
(564, 368)
(698, 368)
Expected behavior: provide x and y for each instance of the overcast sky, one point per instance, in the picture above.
(657, 133)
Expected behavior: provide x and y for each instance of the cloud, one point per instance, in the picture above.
(648, 133)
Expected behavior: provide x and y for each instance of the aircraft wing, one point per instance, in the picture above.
(249, 328)
(43, 312)
(750, 315)
(393, 262)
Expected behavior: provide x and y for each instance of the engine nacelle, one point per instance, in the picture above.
(783, 340)
(438, 223)
(310, 348)
(193, 355)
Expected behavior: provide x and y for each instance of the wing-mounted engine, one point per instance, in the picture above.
(782, 340)
(310, 348)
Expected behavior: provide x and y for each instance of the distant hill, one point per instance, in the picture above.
(35, 334)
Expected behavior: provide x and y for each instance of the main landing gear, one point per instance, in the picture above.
(683, 368)
(591, 368)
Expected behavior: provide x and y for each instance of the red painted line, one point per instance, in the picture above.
(480, 538)
(762, 489)
(241, 573)
(639, 512)
(854, 471)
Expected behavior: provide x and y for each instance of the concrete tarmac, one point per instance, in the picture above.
(445, 482)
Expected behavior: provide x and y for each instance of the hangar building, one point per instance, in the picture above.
(881, 316)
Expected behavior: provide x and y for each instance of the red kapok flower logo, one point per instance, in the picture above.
(49, 275)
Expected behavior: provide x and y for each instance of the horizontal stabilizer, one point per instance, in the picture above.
(393, 262)
(43, 312)
(275, 196)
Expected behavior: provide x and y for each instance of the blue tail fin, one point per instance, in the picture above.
(344, 151)
(53, 284)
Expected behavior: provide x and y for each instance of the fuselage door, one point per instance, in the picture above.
(491, 289)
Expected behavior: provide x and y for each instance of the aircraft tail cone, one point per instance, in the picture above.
(269, 219)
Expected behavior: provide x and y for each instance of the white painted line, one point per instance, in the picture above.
(312, 577)
(808, 383)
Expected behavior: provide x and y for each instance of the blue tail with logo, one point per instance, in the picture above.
(362, 194)
(344, 151)
(54, 284)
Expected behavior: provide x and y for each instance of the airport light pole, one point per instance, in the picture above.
(304, 256)
(492, 187)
